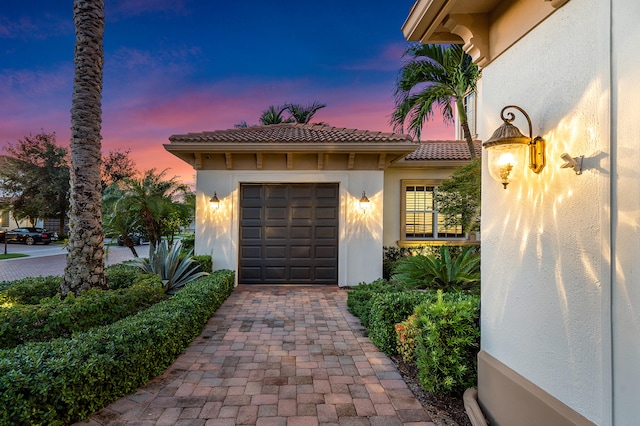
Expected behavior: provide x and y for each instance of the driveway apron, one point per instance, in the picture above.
(275, 355)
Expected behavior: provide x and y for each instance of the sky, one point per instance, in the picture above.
(180, 66)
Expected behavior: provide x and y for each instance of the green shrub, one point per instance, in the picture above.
(407, 332)
(359, 298)
(189, 242)
(387, 310)
(205, 262)
(55, 317)
(66, 380)
(440, 272)
(448, 342)
(28, 290)
(123, 276)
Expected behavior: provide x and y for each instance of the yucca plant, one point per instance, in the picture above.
(440, 272)
(166, 262)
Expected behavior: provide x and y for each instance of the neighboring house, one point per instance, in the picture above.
(560, 313)
(289, 196)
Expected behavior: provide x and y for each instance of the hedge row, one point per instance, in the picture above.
(66, 380)
(31, 290)
(54, 317)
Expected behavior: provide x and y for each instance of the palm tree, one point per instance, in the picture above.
(434, 75)
(301, 113)
(153, 198)
(273, 115)
(85, 249)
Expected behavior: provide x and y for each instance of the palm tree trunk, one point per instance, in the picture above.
(462, 115)
(85, 257)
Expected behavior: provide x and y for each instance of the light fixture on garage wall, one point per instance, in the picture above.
(505, 149)
(215, 201)
(364, 202)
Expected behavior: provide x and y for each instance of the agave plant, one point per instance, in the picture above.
(166, 262)
(445, 271)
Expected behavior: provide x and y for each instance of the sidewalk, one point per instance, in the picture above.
(275, 355)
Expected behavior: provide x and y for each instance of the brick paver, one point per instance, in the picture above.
(275, 355)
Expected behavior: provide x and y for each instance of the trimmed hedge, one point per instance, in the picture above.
(360, 297)
(65, 380)
(205, 262)
(54, 317)
(29, 290)
(389, 309)
(123, 276)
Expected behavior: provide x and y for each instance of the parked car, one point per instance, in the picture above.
(27, 236)
(137, 238)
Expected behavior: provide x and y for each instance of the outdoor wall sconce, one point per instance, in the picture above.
(215, 201)
(364, 202)
(572, 162)
(505, 151)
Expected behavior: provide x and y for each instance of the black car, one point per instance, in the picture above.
(27, 236)
(136, 237)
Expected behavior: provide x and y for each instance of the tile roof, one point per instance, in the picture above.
(443, 150)
(291, 133)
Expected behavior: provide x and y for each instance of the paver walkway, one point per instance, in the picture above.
(275, 355)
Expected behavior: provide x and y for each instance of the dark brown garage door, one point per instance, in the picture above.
(288, 233)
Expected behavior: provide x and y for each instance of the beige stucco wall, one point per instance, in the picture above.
(546, 269)
(393, 178)
(360, 245)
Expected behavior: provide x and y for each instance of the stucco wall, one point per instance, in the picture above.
(626, 244)
(546, 240)
(360, 246)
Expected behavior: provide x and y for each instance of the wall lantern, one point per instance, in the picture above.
(215, 201)
(364, 202)
(505, 149)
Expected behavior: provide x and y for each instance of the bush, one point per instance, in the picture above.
(28, 290)
(66, 380)
(55, 317)
(189, 242)
(387, 310)
(359, 298)
(123, 276)
(205, 262)
(448, 342)
(406, 333)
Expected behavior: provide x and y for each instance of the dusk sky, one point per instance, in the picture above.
(179, 66)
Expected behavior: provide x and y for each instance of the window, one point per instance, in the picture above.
(420, 218)
(4, 219)
(469, 103)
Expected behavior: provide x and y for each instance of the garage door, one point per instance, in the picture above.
(288, 233)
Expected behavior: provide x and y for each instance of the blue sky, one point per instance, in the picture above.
(178, 66)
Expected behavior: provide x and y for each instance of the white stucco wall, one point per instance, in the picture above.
(626, 204)
(546, 239)
(360, 245)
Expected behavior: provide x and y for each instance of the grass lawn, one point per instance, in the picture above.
(12, 255)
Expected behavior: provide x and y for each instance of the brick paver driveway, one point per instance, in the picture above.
(275, 355)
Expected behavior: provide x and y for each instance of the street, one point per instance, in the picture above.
(51, 259)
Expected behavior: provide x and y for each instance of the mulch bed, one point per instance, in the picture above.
(444, 410)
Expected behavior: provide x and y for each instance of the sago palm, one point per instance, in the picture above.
(435, 75)
(440, 272)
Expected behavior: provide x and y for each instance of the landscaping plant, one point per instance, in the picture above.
(461, 272)
(448, 342)
(360, 298)
(166, 261)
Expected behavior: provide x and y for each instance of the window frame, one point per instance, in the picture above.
(404, 183)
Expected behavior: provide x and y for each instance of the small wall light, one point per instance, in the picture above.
(215, 201)
(364, 202)
(504, 148)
